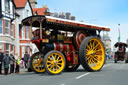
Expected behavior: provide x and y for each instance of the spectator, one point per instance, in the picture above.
(12, 62)
(1, 60)
(26, 57)
(21, 62)
(6, 63)
(17, 69)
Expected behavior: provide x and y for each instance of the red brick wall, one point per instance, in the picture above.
(3, 26)
(4, 47)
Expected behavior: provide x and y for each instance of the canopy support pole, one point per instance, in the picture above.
(31, 32)
(41, 30)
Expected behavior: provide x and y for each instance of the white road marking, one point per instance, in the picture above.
(82, 75)
(90, 73)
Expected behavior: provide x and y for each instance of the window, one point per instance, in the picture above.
(27, 11)
(23, 51)
(7, 5)
(27, 49)
(23, 32)
(7, 48)
(1, 26)
(1, 46)
(27, 32)
(6, 27)
(12, 49)
(11, 29)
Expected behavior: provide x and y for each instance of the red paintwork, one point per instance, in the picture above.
(72, 58)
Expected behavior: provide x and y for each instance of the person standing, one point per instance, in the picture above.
(6, 63)
(12, 62)
(17, 69)
(26, 57)
(1, 60)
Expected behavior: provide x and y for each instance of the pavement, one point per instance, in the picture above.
(111, 74)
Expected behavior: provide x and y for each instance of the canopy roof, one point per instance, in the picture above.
(120, 44)
(60, 24)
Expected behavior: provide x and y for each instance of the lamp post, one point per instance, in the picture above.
(119, 32)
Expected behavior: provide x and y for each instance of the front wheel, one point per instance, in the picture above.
(54, 62)
(92, 54)
(36, 62)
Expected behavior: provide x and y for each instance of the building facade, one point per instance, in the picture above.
(107, 43)
(23, 10)
(7, 26)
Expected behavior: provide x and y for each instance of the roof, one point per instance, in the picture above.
(61, 24)
(39, 11)
(20, 3)
(120, 43)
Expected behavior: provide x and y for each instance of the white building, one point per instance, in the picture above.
(107, 41)
(23, 10)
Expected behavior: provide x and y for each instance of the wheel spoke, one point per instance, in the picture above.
(59, 63)
(94, 43)
(95, 47)
(88, 57)
(97, 50)
(88, 46)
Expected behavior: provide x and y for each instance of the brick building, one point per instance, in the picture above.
(7, 26)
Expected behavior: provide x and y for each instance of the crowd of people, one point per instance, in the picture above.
(12, 63)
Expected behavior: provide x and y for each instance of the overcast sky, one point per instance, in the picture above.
(108, 13)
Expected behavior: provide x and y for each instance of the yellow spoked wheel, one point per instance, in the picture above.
(54, 62)
(92, 54)
(36, 62)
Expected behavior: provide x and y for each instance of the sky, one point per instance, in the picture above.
(108, 13)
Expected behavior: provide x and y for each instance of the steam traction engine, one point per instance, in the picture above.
(65, 44)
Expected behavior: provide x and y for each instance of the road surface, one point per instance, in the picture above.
(111, 74)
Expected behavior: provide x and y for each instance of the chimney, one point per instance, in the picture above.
(72, 17)
(68, 14)
(33, 3)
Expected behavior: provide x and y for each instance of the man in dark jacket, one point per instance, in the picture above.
(1, 60)
(26, 57)
(12, 62)
(6, 63)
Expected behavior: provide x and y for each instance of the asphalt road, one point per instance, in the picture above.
(111, 74)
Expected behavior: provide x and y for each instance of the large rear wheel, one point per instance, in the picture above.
(36, 62)
(92, 54)
(54, 62)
